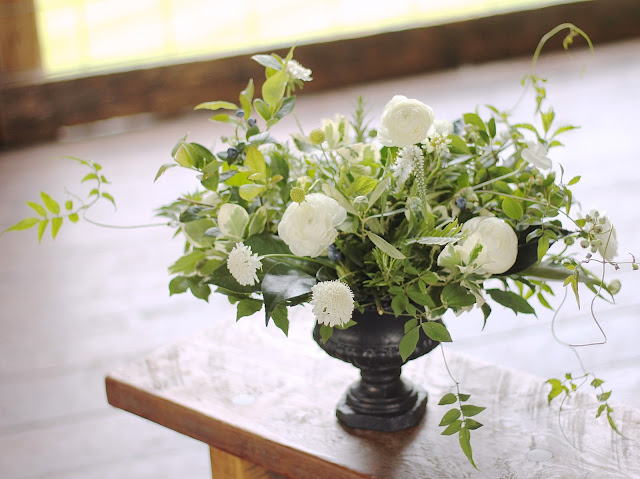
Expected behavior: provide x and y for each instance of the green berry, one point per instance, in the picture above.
(316, 136)
(297, 194)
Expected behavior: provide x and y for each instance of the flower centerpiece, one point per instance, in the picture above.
(378, 228)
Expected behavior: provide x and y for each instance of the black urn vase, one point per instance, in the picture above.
(381, 400)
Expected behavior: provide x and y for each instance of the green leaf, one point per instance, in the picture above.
(232, 220)
(436, 331)
(38, 208)
(262, 108)
(41, 227)
(187, 263)
(247, 307)
(73, 217)
(249, 191)
(331, 191)
(472, 424)
(256, 164)
(547, 119)
(273, 88)
(51, 205)
(223, 118)
(456, 296)
(543, 247)
(450, 416)
(475, 120)
(90, 176)
(68, 205)
(325, 332)
(562, 129)
(409, 342)
(384, 246)
(574, 180)
(287, 107)
(200, 291)
(283, 283)
(246, 97)
(512, 208)
(381, 188)
(448, 398)
(258, 221)
(363, 185)
(109, 197)
(468, 410)
(178, 285)
(216, 105)
(452, 428)
(492, 127)
(56, 223)
(421, 298)
(512, 301)
(280, 317)
(458, 145)
(465, 443)
(399, 304)
(463, 397)
(267, 61)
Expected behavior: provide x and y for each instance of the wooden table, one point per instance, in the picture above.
(265, 406)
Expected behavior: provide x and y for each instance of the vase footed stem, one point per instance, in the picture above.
(382, 401)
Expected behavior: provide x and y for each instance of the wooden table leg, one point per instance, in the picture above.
(228, 466)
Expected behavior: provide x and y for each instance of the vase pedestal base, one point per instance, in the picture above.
(350, 418)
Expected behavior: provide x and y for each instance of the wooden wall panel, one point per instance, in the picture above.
(35, 111)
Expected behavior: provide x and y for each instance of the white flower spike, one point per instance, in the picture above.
(297, 71)
(332, 303)
(243, 265)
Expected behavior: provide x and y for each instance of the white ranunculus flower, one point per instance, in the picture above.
(404, 122)
(499, 246)
(308, 228)
(536, 155)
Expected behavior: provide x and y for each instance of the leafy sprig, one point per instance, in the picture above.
(566, 387)
(51, 213)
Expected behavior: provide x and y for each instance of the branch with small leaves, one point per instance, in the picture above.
(565, 388)
(51, 213)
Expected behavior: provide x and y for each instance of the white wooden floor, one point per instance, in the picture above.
(74, 309)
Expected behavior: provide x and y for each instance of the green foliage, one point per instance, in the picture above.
(458, 420)
(565, 388)
(399, 226)
(51, 213)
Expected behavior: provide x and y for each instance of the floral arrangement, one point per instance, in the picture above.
(412, 217)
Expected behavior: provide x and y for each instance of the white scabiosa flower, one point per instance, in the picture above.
(297, 71)
(536, 155)
(332, 302)
(243, 265)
